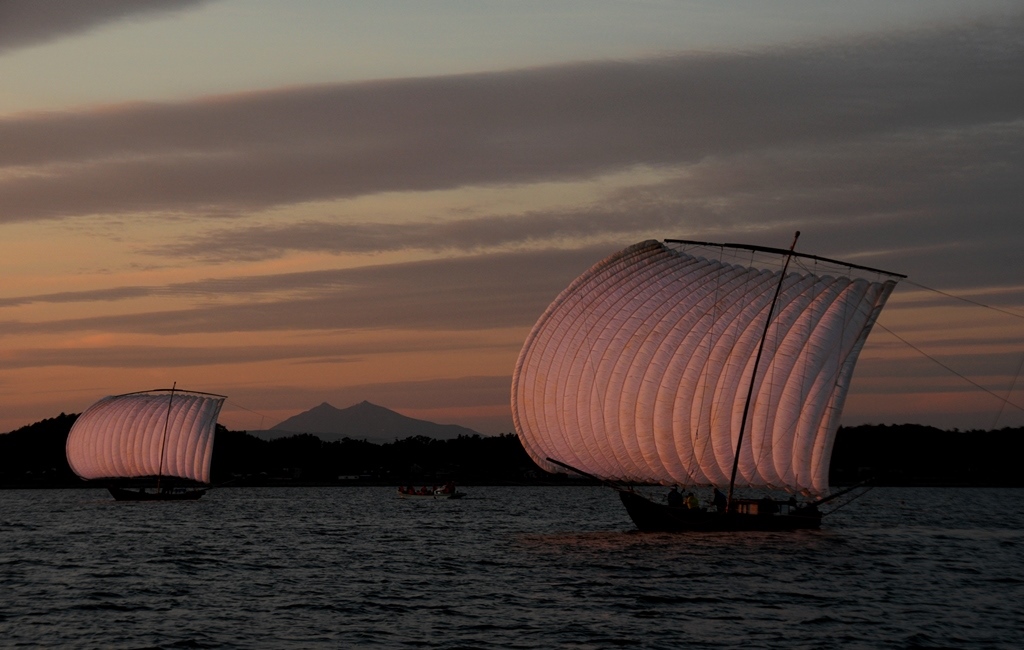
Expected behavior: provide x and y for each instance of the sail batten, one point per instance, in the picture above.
(123, 436)
(639, 369)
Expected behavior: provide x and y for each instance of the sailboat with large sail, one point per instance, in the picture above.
(154, 445)
(706, 365)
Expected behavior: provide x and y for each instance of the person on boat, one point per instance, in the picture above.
(449, 487)
(767, 506)
(692, 502)
(675, 499)
(807, 510)
(719, 500)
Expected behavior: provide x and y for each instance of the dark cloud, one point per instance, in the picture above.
(263, 149)
(939, 201)
(997, 369)
(901, 152)
(475, 292)
(114, 294)
(461, 235)
(130, 356)
(27, 22)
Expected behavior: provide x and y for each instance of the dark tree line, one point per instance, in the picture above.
(906, 454)
(35, 454)
(305, 458)
(912, 454)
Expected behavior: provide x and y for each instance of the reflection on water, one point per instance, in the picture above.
(505, 567)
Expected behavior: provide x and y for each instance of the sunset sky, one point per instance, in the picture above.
(306, 201)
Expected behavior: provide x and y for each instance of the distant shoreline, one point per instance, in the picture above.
(886, 455)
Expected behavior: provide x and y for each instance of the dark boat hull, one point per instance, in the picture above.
(123, 494)
(656, 517)
(434, 495)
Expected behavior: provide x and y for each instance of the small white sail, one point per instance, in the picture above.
(146, 434)
(639, 370)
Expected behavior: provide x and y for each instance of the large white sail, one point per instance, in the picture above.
(639, 370)
(153, 433)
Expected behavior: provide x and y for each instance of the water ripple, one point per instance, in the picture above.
(508, 568)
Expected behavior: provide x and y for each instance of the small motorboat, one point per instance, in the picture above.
(446, 491)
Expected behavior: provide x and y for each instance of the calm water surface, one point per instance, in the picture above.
(507, 567)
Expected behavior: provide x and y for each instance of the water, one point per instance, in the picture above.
(507, 567)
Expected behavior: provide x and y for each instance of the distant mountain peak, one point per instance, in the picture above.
(366, 421)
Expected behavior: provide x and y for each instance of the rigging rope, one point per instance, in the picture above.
(967, 379)
(237, 405)
(1013, 384)
(1003, 400)
(967, 300)
(846, 503)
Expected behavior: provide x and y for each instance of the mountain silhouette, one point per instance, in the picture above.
(363, 421)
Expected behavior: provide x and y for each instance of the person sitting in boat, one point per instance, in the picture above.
(675, 499)
(767, 506)
(807, 510)
(692, 502)
(719, 501)
(449, 488)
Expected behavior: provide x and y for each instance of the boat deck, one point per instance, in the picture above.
(656, 517)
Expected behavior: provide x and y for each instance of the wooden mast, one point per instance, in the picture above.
(163, 444)
(753, 375)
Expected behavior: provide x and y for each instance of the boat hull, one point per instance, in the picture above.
(656, 517)
(124, 494)
(435, 495)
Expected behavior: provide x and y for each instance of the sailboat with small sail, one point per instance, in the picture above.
(154, 445)
(708, 365)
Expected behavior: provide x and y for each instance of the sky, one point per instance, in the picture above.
(297, 202)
